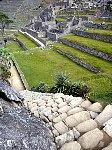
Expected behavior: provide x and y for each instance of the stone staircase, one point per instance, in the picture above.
(75, 123)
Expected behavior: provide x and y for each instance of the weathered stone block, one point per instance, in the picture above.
(105, 115)
(86, 126)
(61, 127)
(91, 139)
(71, 146)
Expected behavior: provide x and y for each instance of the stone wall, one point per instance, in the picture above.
(75, 123)
(77, 17)
(52, 36)
(41, 40)
(96, 36)
(18, 42)
(98, 26)
(87, 49)
(21, 44)
(79, 62)
(31, 32)
(35, 35)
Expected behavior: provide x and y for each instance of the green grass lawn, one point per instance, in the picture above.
(101, 21)
(103, 65)
(95, 44)
(13, 47)
(86, 15)
(26, 41)
(60, 19)
(99, 31)
(42, 65)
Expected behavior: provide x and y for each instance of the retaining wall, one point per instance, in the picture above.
(98, 26)
(79, 62)
(87, 49)
(18, 42)
(105, 38)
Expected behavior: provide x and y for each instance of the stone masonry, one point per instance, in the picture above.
(75, 123)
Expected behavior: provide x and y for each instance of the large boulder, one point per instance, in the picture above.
(71, 146)
(86, 126)
(91, 139)
(9, 92)
(105, 115)
(20, 130)
(108, 127)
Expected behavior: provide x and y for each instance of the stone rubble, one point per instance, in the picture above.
(76, 124)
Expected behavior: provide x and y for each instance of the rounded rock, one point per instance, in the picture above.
(71, 146)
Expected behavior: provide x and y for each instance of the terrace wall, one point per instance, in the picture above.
(87, 49)
(18, 42)
(96, 36)
(98, 26)
(79, 62)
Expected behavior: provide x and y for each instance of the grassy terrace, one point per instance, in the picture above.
(60, 19)
(103, 65)
(74, 15)
(95, 44)
(99, 31)
(101, 21)
(26, 41)
(13, 47)
(42, 65)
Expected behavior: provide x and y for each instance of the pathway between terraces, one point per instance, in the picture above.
(15, 79)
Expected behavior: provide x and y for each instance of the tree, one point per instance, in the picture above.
(4, 21)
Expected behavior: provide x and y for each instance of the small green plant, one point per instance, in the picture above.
(42, 87)
(5, 74)
(79, 89)
(62, 83)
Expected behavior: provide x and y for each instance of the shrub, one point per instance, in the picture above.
(42, 87)
(79, 89)
(62, 84)
(5, 74)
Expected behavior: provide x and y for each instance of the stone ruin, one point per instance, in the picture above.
(45, 28)
(45, 25)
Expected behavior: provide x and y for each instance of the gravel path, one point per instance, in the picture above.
(15, 79)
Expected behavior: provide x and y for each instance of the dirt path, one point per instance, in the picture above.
(15, 79)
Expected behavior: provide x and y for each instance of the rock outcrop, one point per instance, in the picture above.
(19, 129)
(9, 92)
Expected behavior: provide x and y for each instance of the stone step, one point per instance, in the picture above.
(74, 122)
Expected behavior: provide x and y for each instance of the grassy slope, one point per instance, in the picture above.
(99, 31)
(103, 65)
(95, 44)
(60, 19)
(27, 42)
(100, 83)
(42, 65)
